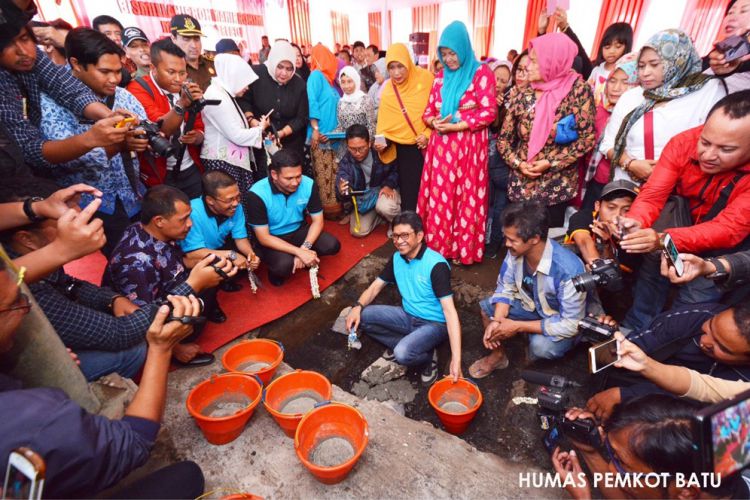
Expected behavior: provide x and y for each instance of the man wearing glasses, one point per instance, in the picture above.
(216, 216)
(427, 316)
(372, 183)
(278, 206)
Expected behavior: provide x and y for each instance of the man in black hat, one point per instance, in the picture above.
(186, 34)
(137, 49)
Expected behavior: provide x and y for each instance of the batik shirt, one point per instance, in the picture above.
(143, 268)
(93, 168)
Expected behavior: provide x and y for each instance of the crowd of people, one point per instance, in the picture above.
(188, 167)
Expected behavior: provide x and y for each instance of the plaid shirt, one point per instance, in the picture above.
(83, 319)
(23, 124)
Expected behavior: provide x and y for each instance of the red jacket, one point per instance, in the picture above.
(678, 170)
(156, 107)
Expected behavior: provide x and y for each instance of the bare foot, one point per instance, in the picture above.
(344, 220)
(496, 360)
(185, 352)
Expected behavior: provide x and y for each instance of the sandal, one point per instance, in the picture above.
(479, 368)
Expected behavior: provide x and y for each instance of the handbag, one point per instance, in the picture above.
(567, 130)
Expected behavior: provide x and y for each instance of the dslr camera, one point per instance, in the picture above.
(604, 273)
(160, 147)
(595, 331)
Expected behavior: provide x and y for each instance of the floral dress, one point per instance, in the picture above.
(560, 182)
(361, 112)
(453, 194)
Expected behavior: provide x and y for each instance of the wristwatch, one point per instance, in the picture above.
(307, 245)
(29, 211)
(179, 110)
(721, 270)
(232, 255)
(358, 304)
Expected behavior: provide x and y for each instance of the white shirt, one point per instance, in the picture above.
(227, 136)
(670, 119)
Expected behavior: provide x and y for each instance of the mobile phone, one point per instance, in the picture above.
(24, 477)
(733, 47)
(268, 114)
(124, 122)
(721, 436)
(380, 139)
(603, 355)
(673, 256)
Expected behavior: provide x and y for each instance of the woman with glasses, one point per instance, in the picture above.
(454, 190)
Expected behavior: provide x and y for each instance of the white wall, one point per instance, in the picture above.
(321, 29)
(402, 25)
(659, 15)
(508, 27)
(455, 10)
(359, 26)
(278, 15)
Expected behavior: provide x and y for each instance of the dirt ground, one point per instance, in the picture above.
(501, 427)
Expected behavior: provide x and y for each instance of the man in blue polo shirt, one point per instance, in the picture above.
(278, 206)
(215, 218)
(428, 315)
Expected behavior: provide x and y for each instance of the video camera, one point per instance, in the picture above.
(721, 436)
(594, 331)
(553, 402)
(604, 273)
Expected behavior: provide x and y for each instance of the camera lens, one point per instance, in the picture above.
(161, 147)
(585, 282)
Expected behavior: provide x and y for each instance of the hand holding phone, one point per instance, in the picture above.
(24, 477)
(673, 256)
(603, 355)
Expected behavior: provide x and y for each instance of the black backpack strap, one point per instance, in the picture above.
(140, 81)
(723, 200)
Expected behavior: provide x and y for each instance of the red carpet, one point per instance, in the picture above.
(246, 311)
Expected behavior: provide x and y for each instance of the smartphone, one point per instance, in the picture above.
(603, 355)
(268, 114)
(24, 477)
(380, 139)
(733, 47)
(721, 436)
(673, 256)
(124, 122)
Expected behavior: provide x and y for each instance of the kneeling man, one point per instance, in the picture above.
(427, 315)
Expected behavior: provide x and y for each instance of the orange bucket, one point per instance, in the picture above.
(455, 404)
(297, 384)
(333, 424)
(223, 429)
(265, 354)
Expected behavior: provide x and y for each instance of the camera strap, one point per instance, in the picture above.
(127, 159)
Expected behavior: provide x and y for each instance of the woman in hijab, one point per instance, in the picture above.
(355, 107)
(453, 192)
(300, 65)
(283, 94)
(622, 78)
(542, 152)
(228, 140)
(674, 96)
(381, 75)
(402, 104)
(323, 101)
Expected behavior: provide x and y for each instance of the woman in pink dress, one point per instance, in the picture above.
(453, 194)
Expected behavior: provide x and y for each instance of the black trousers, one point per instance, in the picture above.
(114, 226)
(281, 264)
(409, 163)
(188, 181)
(180, 480)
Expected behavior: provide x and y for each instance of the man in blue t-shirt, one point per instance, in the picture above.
(427, 315)
(216, 218)
(278, 206)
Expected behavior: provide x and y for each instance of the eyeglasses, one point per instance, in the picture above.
(237, 199)
(22, 302)
(522, 69)
(360, 149)
(403, 236)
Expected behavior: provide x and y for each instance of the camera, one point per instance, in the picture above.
(187, 320)
(553, 401)
(604, 273)
(196, 105)
(159, 145)
(595, 331)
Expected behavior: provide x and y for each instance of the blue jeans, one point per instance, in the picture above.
(412, 339)
(652, 289)
(540, 346)
(498, 172)
(96, 364)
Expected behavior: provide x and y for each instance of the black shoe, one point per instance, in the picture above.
(200, 359)
(216, 316)
(230, 286)
(430, 371)
(388, 355)
(275, 280)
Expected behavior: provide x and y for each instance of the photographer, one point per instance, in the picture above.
(649, 435)
(85, 453)
(708, 166)
(708, 338)
(166, 103)
(95, 60)
(678, 380)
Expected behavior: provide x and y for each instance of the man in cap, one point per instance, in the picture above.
(227, 46)
(186, 34)
(137, 49)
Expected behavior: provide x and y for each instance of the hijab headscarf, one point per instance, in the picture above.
(354, 75)
(380, 65)
(304, 70)
(682, 76)
(456, 38)
(280, 52)
(554, 54)
(323, 59)
(628, 64)
(232, 73)
(414, 92)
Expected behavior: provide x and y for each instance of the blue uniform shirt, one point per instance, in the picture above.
(282, 213)
(209, 230)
